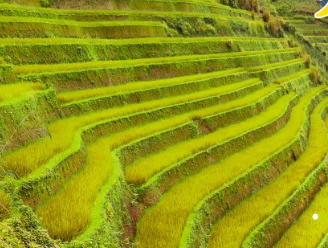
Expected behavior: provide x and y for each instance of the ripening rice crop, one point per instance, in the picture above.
(234, 227)
(162, 225)
(66, 132)
(73, 203)
(11, 91)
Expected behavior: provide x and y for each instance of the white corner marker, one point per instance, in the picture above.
(315, 216)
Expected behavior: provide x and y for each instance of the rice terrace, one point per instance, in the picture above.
(163, 124)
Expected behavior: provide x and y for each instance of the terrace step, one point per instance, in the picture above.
(38, 27)
(145, 91)
(177, 204)
(233, 228)
(172, 6)
(115, 15)
(69, 50)
(318, 38)
(10, 92)
(112, 142)
(25, 110)
(56, 145)
(317, 32)
(105, 73)
(166, 178)
(145, 168)
(271, 72)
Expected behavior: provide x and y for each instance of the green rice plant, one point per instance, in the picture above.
(77, 14)
(82, 95)
(233, 228)
(16, 19)
(63, 133)
(278, 64)
(273, 71)
(162, 225)
(59, 50)
(135, 41)
(28, 69)
(119, 15)
(150, 69)
(292, 76)
(145, 91)
(39, 27)
(12, 91)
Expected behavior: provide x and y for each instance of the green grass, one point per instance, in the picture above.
(162, 225)
(234, 227)
(12, 91)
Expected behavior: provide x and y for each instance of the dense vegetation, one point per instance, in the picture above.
(162, 123)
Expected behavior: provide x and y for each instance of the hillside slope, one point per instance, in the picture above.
(158, 123)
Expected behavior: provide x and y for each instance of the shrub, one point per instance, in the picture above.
(186, 29)
(45, 3)
(172, 32)
(314, 74)
(273, 25)
(229, 43)
(202, 28)
(253, 15)
(266, 15)
(307, 59)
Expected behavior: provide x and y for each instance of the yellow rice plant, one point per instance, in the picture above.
(63, 133)
(143, 169)
(307, 232)
(162, 225)
(11, 91)
(232, 229)
(67, 213)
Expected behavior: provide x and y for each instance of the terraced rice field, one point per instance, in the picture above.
(158, 124)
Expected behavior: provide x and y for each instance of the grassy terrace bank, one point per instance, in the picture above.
(156, 123)
(201, 184)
